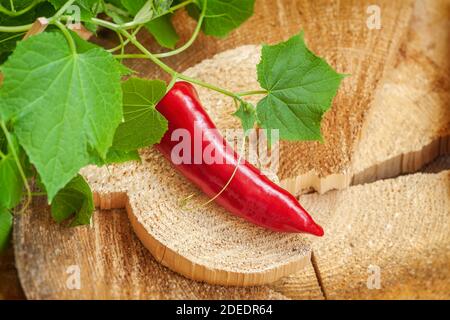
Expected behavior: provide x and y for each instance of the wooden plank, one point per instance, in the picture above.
(113, 263)
(397, 228)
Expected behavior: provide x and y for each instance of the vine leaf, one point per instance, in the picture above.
(6, 221)
(11, 182)
(61, 103)
(76, 200)
(143, 125)
(301, 87)
(222, 16)
(246, 113)
(160, 27)
(114, 156)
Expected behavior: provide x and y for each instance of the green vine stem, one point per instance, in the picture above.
(180, 5)
(14, 29)
(19, 166)
(148, 55)
(61, 11)
(18, 35)
(171, 83)
(251, 93)
(191, 40)
(26, 27)
(130, 56)
(14, 13)
(67, 35)
(124, 43)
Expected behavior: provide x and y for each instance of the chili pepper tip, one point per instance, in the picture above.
(316, 230)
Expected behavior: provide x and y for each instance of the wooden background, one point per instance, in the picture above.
(112, 236)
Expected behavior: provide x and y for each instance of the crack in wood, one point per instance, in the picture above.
(318, 275)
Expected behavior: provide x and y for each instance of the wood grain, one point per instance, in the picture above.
(399, 227)
(407, 238)
(302, 285)
(409, 122)
(113, 263)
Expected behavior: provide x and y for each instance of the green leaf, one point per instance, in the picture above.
(143, 125)
(145, 14)
(117, 12)
(162, 29)
(62, 103)
(133, 6)
(161, 6)
(75, 199)
(115, 156)
(116, 3)
(247, 114)
(118, 156)
(83, 46)
(11, 182)
(223, 16)
(148, 7)
(8, 41)
(301, 87)
(3, 142)
(6, 222)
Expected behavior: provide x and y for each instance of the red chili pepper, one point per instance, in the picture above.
(249, 194)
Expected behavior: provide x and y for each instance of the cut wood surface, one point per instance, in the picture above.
(397, 230)
(406, 237)
(409, 122)
(112, 263)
